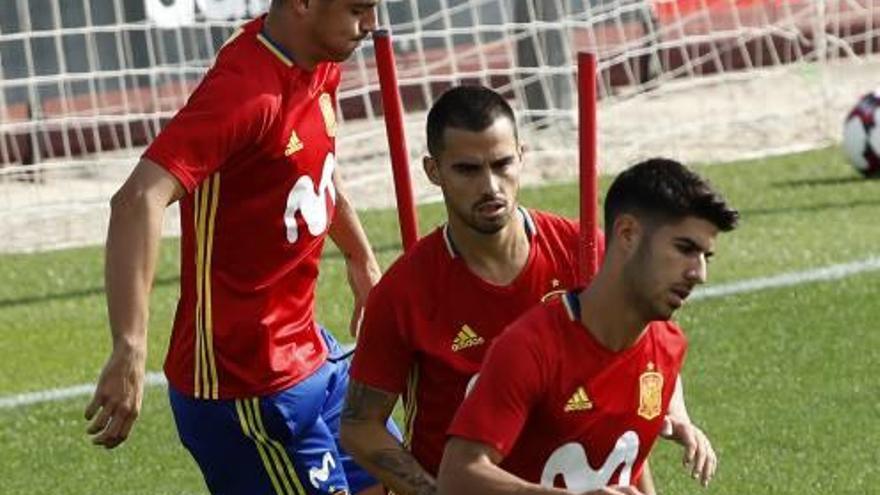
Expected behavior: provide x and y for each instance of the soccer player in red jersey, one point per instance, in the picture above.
(256, 386)
(431, 318)
(571, 397)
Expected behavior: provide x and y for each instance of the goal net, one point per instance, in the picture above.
(86, 84)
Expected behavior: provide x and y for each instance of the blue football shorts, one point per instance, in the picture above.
(286, 443)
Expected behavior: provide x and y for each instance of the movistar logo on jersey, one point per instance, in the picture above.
(318, 475)
(293, 144)
(570, 461)
(466, 338)
(311, 202)
(579, 401)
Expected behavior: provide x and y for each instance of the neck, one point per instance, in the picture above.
(497, 258)
(608, 313)
(285, 29)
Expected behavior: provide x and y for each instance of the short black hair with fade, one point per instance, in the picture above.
(666, 191)
(471, 108)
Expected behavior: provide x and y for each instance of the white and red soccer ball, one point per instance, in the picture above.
(861, 135)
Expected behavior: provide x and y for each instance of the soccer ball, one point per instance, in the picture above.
(861, 135)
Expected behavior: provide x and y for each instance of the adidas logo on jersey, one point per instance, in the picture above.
(579, 401)
(466, 338)
(293, 144)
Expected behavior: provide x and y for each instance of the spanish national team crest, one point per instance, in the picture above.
(650, 393)
(329, 113)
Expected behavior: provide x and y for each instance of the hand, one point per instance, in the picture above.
(615, 490)
(118, 396)
(699, 456)
(361, 278)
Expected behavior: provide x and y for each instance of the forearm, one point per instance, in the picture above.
(136, 213)
(131, 253)
(365, 437)
(346, 230)
(485, 478)
(646, 481)
(677, 407)
(374, 448)
(471, 468)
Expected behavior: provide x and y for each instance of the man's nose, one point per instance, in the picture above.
(369, 22)
(697, 270)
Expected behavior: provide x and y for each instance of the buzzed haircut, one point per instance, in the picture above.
(666, 191)
(471, 108)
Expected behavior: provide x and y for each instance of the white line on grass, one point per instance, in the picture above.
(54, 394)
(833, 272)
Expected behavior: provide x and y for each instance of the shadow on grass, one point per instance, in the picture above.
(158, 282)
(782, 210)
(825, 181)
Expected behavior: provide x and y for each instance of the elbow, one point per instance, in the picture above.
(128, 200)
(131, 203)
(120, 201)
(124, 211)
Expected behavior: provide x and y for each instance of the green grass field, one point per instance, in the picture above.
(785, 380)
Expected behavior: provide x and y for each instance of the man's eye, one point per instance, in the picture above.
(686, 249)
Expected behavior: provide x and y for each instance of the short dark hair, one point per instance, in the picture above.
(666, 191)
(472, 108)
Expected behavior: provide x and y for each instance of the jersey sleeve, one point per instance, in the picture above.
(384, 355)
(222, 116)
(498, 406)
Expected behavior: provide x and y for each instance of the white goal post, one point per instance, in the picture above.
(85, 84)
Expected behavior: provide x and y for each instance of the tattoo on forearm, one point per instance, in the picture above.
(362, 402)
(365, 403)
(406, 469)
(354, 401)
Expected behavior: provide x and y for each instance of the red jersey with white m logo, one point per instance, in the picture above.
(254, 148)
(565, 411)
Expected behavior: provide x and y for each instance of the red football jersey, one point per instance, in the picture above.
(254, 148)
(566, 411)
(429, 321)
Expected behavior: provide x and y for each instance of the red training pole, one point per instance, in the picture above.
(393, 111)
(588, 252)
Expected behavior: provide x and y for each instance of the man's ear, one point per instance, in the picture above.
(628, 232)
(299, 6)
(430, 165)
